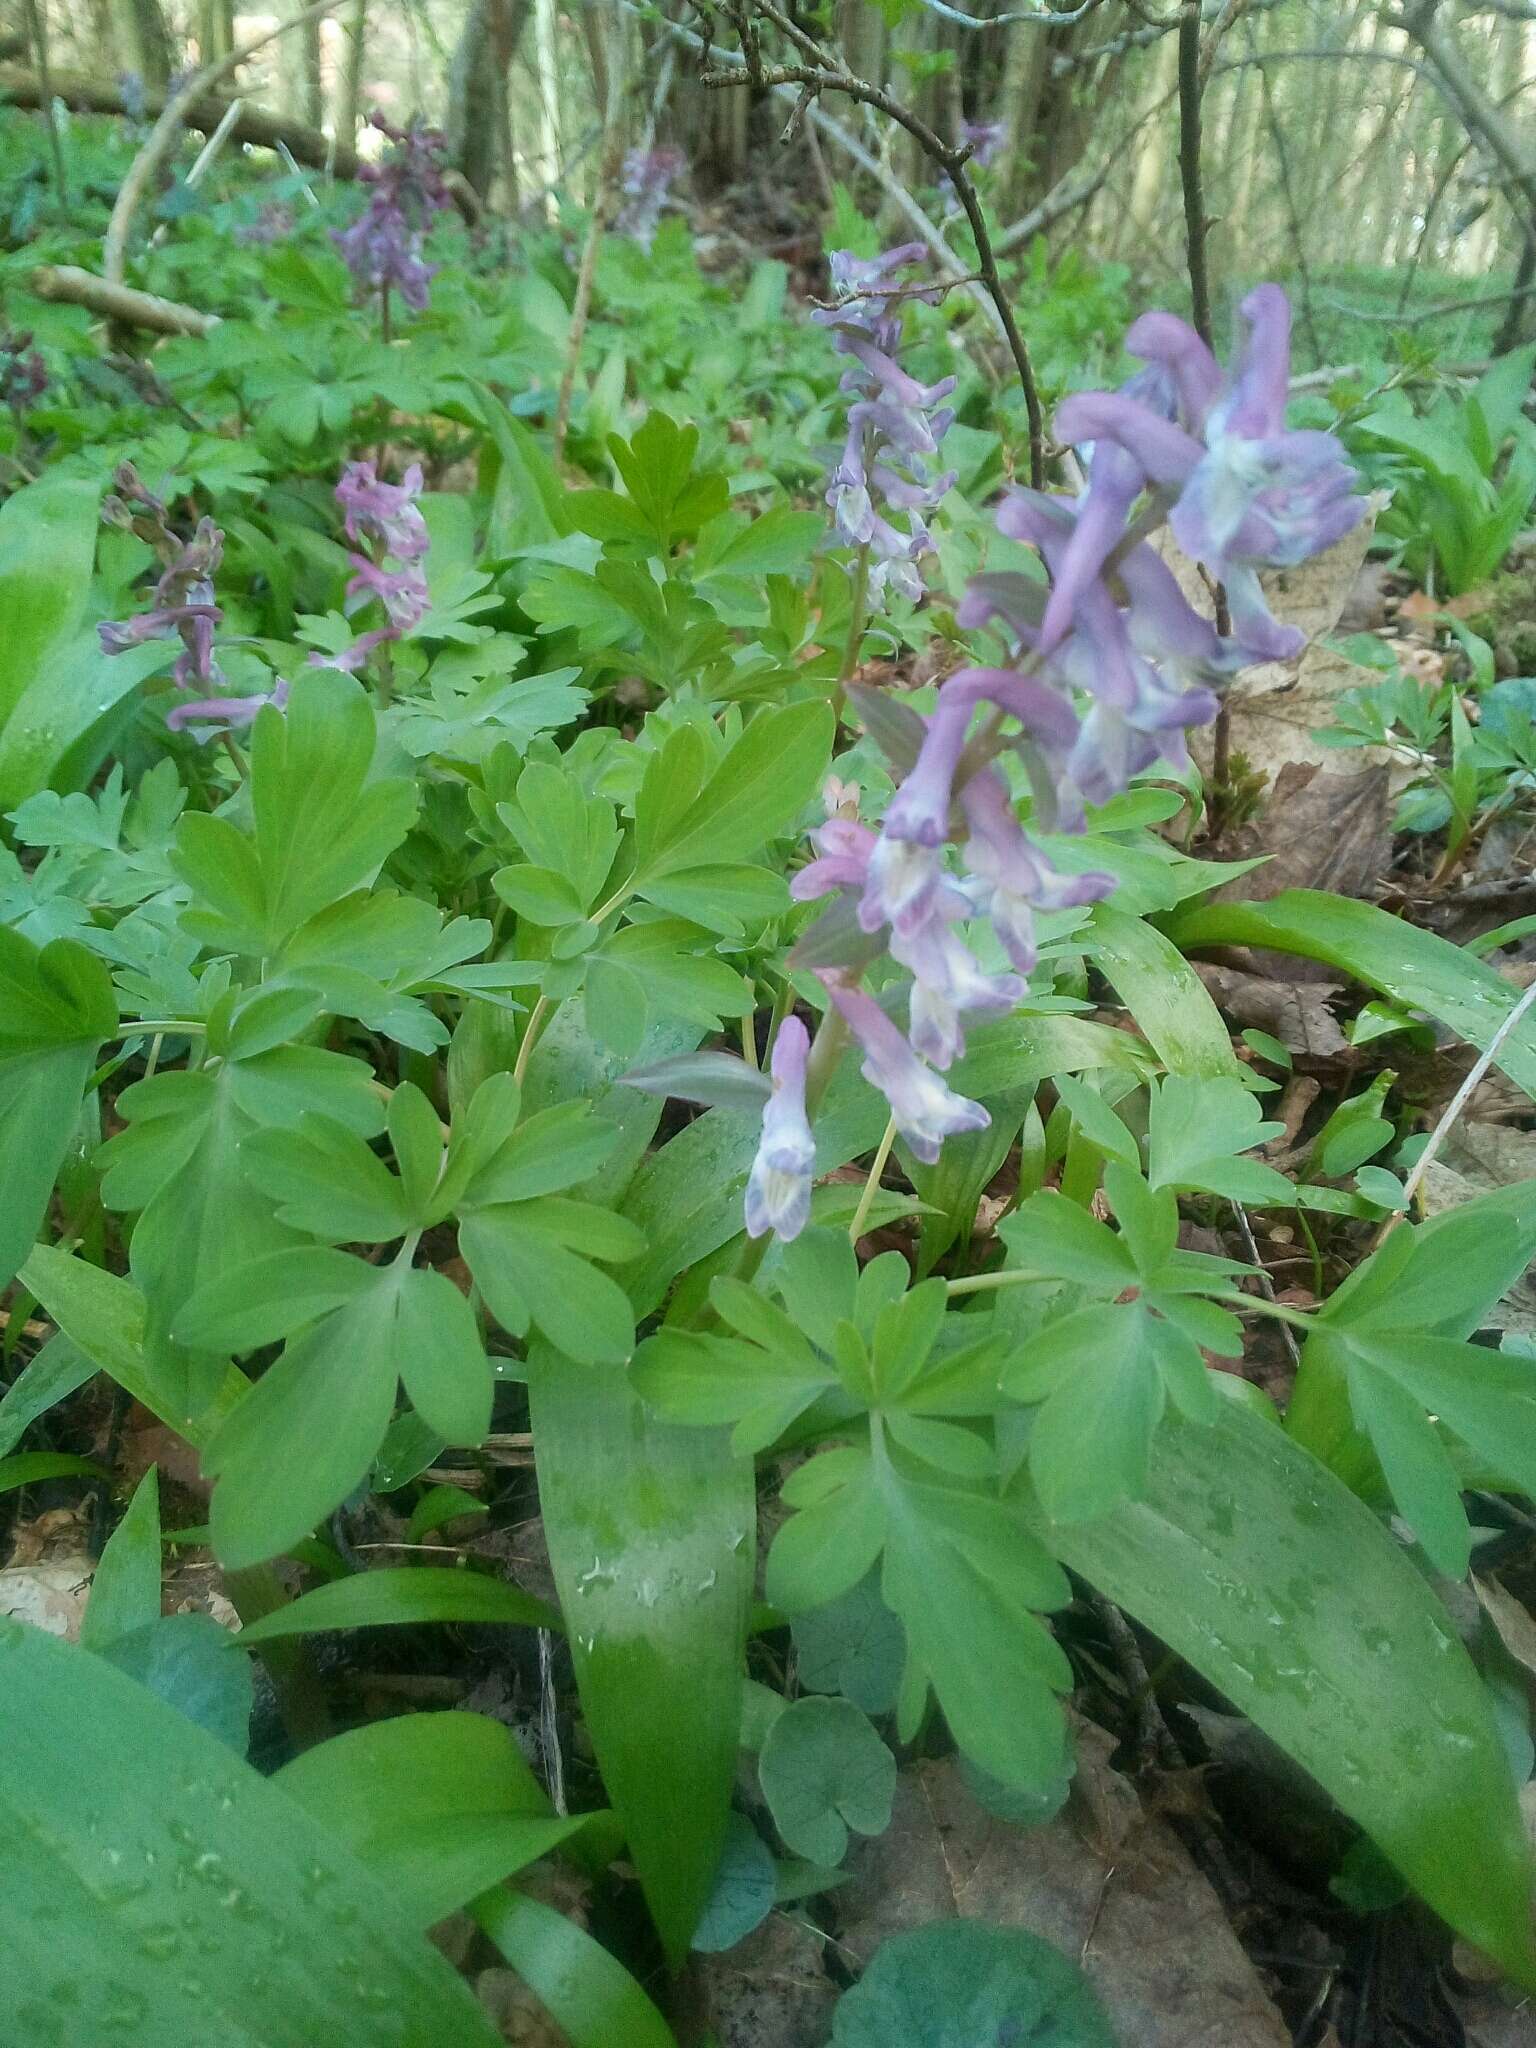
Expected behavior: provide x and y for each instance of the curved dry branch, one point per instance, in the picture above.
(163, 136)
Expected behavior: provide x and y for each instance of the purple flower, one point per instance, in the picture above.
(648, 178)
(389, 516)
(382, 247)
(843, 847)
(925, 1109)
(895, 424)
(947, 979)
(273, 223)
(1009, 878)
(986, 139)
(233, 713)
(779, 1185)
(1245, 492)
(185, 604)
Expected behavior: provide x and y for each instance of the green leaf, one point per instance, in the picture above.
(824, 1770)
(396, 1596)
(322, 827)
(29, 1468)
(148, 1857)
(1414, 967)
(960, 1982)
(73, 691)
(519, 1255)
(1163, 993)
(1195, 1129)
(271, 1297)
(47, 545)
(125, 1588)
(1053, 1237)
(52, 1376)
(592, 1999)
(744, 1893)
(1251, 1560)
(1091, 1440)
(56, 1007)
(651, 1535)
(770, 773)
(442, 1360)
(323, 1179)
(437, 1806)
(184, 1660)
(1417, 1465)
(726, 898)
(853, 1646)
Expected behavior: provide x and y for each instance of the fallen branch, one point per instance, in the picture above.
(205, 113)
(65, 284)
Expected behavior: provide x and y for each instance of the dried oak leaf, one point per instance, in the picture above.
(1103, 1881)
(769, 1991)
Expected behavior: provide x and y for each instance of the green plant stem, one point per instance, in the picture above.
(872, 1183)
(531, 1031)
(1256, 1304)
(168, 1027)
(826, 1050)
(858, 617)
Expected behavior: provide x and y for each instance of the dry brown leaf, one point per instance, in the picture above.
(1512, 1624)
(1295, 1012)
(1319, 830)
(1105, 1883)
(50, 1596)
(770, 1991)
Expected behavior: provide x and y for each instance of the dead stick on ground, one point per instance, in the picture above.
(65, 284)
(163, 136)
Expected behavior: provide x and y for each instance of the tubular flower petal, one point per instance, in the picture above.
(779, 1184)
(925, 1109)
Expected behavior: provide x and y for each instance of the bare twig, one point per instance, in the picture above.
(1195, 225)
(1032, 17)
(162, 138)
(1440, 312)
(66, 285)
(822, 75)
(208, 155)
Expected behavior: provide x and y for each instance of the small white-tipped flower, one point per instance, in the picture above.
(779, 1185)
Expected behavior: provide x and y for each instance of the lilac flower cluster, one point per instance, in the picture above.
(383, 245)
(185, 607)
(388, 516)
(894, 426)
(1111, 666)
(647, 179)
(23, 374)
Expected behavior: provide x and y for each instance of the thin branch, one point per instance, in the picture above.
(1455, 1106)
(822, 76)
(166, 132)
(1032, 17)
(64, 284)
(1154, 29)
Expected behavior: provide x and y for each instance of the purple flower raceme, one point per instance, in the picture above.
(895, 424)
(1111, 667)
(1243, 492)
(388, 516)
(647, 179)
(185, 608)
(383, 245)
(23, 373)
(779, 1185)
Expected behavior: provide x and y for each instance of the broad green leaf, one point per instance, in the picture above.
(1092, 1438)
(957, 1983)
(1251, 1560)
(770, 773)
(270, 1298)
(651, 1534)
(125, 1588)
(322, 826)
(522, 1263)
(184, 1660)
(437, 1806)
(78, 684)
(147, 1860)
(1417, 1466)
(103, 1316)
(56, 1007)
(592, 1999)
(1415, 968)
(396, 1596)
(852, 1646)
(1169, 1001)
(744, 1893)
(824, 1770)
(1195, 1130)
(47, 545)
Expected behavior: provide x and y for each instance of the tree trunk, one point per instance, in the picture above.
(350, 111)
(478, 109)
(549, 97)
(143, 43)
(309, 99)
